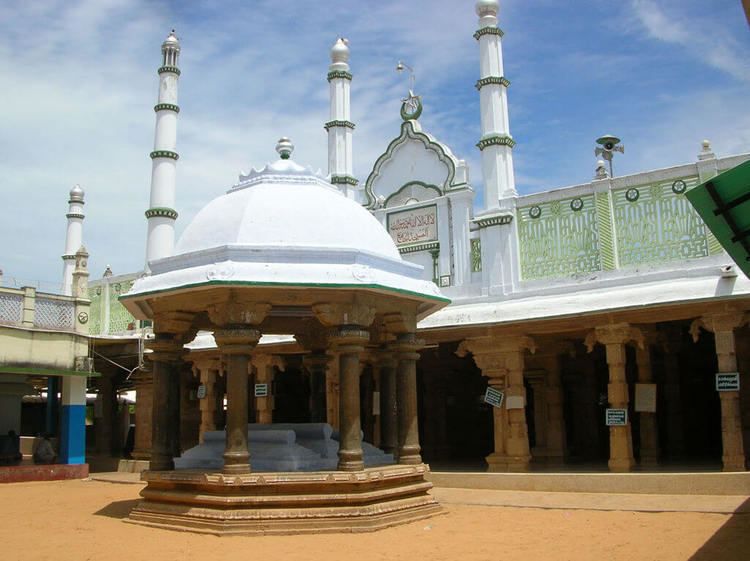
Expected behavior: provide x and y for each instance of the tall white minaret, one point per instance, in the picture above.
(73, 237)
(161, 214)
(340, 127)
(496, 143)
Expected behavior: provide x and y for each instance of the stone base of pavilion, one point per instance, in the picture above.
(285, 502)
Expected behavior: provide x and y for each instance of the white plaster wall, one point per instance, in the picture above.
(421, 258)
(45, 349)
(410, 162)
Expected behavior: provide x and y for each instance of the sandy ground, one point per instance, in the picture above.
(83, 520)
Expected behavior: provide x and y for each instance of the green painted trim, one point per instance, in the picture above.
(164, 154)
(414, 248)
(172, 69)
(488, 31)
(68, 257)
(76, 202)
(74, 215)
(405, 185)
(166, 107)
(499, 80)
(408, 132)
(496, 140)
(495, 220)
(338, 123)
(714, 245)
(164, 212)
(413, 117)
(289, 285)
(31, 371)
(344, 180)
(604, 224)
(334, 74)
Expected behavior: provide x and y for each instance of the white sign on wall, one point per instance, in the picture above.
(728, 382)
(416, 225)
(494, 397)
(616, 417)
(202, 391)
(261, 390)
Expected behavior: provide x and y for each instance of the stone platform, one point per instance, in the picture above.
(47, 472)
(285, 502)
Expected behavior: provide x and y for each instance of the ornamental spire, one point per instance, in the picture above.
(340, 127)
(496, 143)
(161, 214)
(73, 237)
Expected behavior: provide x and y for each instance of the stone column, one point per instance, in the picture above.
(539, 391)
(166, 350)
(332, 391)
(350, 342)
(723, 326)
(236, 344)
(317, 365)
(555, 419)
(649, 431)
(406, 347)
(501, 360)
(614, 338)
(208, 374)
(265, 366)
(388, 403)
(143, 413)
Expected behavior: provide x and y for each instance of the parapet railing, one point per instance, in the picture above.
(26, 307)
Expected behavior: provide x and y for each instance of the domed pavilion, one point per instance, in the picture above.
(285, 252)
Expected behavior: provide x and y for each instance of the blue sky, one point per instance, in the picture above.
(79, 83)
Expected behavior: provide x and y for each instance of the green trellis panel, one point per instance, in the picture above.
(119, 318)
(95, 310)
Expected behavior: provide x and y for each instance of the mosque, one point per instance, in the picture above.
(595, 326)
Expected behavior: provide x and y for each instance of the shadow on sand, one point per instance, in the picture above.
(731, 542)
(118, 509)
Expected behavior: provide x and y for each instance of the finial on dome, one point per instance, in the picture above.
(172, 38)
(487, 7)
(76, 193)
(706, 152)
(284, 147)
(340, 51)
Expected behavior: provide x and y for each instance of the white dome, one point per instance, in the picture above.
(487, 7)
(286, 206)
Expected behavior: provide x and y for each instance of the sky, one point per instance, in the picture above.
(79, 84)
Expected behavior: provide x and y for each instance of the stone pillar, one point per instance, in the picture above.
(614, 338)
(406, 347)
(350, 342)
(265, 366)
(723, 326)
(555, 419)
(649, 430)
(332, 391)
(388, 403)
(236, 343)
(539, 391)
(208, 374)
(501, 360)
(166, 350)
(143, 414)
(317, 365)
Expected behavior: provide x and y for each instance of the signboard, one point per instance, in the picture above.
(645, 398)
(202, 391)
(728, 382)
(514, 402)
(261, 390)
(616, 417)
(494, 397)
(416, 225)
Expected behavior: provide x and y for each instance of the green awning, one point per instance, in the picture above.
(723, 202)
(33, 371)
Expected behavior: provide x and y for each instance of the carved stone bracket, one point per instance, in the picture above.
(496, 356)
(165, 347)
(340, 313)
(237, 341)
(615, 334)
(177, 323)
(237, 312)
(402, 322)
(261, 361)
(726, 321)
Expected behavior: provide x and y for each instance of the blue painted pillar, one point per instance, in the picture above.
(73, 421)
(53, 405)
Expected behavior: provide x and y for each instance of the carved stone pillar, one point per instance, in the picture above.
(144, 389)
(649, 431)
(333, 391)
(614, 338)
(237, 344)
(166, 351)
(388, 403)
(317, 365)
(265, 366)
(350, 342)
(406, 347)
(208, 374)
(723, 326)
(501, 360)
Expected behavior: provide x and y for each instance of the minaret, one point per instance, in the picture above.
(161, 214)
(340, 127)
(73, 237)
(496, 143)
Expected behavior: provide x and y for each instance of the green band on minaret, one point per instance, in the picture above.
(172, 69)
(166, 107)
(488, 31)
(496, 140)
(333, 74)
(159, 212)
(164, 154)
(338, 123)
(344, 180)
(500, 80)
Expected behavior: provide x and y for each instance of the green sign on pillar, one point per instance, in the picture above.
(723, 202)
